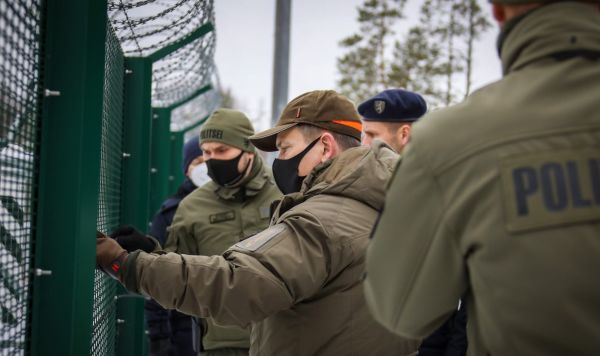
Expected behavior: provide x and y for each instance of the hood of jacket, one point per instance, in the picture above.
(360, 173)
(567, 28)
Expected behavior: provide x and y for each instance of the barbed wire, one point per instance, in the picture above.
(145, 26)
(195, 110)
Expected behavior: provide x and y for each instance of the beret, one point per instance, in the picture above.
(393, 105)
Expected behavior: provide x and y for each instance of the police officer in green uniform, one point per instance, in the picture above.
(226, 210)
(299, 282)
(507, 186)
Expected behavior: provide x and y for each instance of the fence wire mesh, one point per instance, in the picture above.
(146, 26)
(20, 24)
(104, 311)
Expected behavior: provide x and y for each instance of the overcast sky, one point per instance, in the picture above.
(244, 54)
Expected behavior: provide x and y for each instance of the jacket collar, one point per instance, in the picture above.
(360, 173)
(249, 186)
(549, 30)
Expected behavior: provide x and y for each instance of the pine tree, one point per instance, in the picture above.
(416, 60)
(431, 59)
(476, 25)
(364, 68)
(448, 31)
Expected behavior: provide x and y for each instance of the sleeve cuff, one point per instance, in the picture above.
(129, 273)
(157, 246)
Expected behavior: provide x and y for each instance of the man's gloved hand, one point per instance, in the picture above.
(131, 239)
(109, 256)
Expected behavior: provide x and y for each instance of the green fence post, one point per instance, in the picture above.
(161, 154)
(176, 174)
(68, 181)
(137, 129)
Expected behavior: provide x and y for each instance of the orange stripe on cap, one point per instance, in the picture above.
(357, 125)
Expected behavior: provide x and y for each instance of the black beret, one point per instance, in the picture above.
(393, 105)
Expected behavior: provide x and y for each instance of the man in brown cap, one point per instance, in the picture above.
(297, 283)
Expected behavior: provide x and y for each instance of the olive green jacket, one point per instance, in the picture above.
(298, 283)
(498, 199)
(213, 218)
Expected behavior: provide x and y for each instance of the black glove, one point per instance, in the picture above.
(131, 239)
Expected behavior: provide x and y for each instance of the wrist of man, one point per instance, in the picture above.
(157, 246)
(116, 266)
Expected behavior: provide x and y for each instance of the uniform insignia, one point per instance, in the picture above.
(211, 134)
(255, 242)
(549, 189)
(379, 106)
(220, 217)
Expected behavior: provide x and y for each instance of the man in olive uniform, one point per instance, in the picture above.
(299, 282)
(389, 115)
(507, 186)
(226, 210)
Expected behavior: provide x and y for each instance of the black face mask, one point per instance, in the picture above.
(224, 172)
(285, 171)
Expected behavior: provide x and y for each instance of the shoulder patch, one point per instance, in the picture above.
(255, 242)
(551, 188)
(220, 217)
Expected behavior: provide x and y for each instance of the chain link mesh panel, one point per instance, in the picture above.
(105, 289)
(20, 29)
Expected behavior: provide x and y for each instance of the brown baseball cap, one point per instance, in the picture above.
(326, 109)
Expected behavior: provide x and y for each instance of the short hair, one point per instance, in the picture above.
(393, 127)
(310, 132)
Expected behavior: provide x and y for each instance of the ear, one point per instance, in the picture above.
(499, 13)
(403, 134)
(244, 163)
(250, 156)
(330, 147)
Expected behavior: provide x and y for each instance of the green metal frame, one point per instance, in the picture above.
(176, 175)
(68, 187)
(177, 141)
(147, 169)
(194, 35)
(161, 154)
(68, 180)
(164, 176)
(135, 189)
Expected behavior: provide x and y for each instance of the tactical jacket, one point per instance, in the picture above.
(498, 198)
(213, 218)
(298, 283)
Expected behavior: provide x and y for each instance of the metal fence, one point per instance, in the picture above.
(88, 141)
(104, 320)
(19, 128)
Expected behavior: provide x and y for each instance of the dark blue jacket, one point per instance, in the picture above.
(168, 325)
(450, 339)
